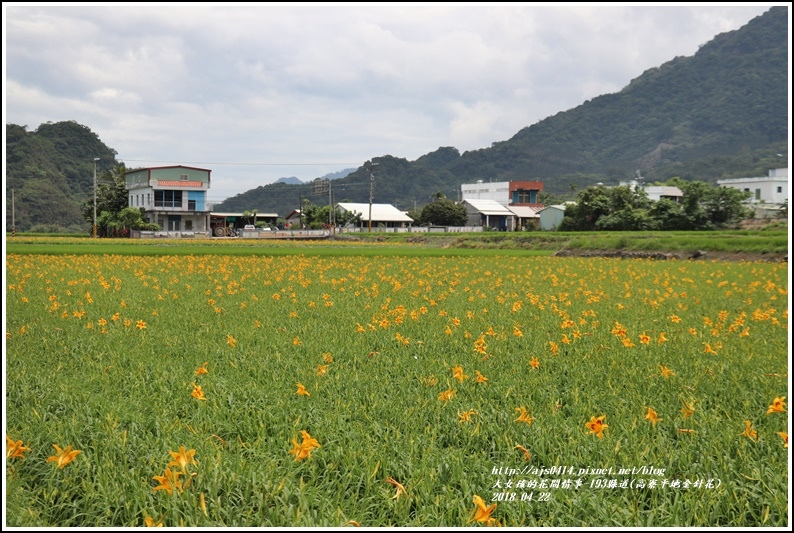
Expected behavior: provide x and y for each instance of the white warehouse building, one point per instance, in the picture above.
(769, 193)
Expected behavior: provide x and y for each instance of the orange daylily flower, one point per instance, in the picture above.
(465, 416)
(597, 426)
(645, 339)
(301, 451)
(447, 395)
(398, 485)
(535, 364)
(183, 458)
(202, 369)
(322, 369)
(141, 324)
(168, 481)
(666, 372)
(749, 432)
(627, 342)
(784, 436)
(302, 390)
(482, 513)
(526, 453)
(63, 457)
(480, 377)
(778, 405)
(149, 521)
(327, 357)
(197, 392)
(708, 349)
(15, 449)
(524, 416)
(231, 341)
(661, 338)
(652, 416)
(457, 373)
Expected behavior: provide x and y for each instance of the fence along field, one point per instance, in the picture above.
(387, 391)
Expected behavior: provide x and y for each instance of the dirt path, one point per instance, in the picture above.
(701, 256)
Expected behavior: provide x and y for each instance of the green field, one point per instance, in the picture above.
(104, 353)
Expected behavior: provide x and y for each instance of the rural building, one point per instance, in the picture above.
(655, 192)
(768, 193)
(383, 215)
(551, 216)
(294, 220)
(504, 192)
(526, 216)
(489, 214)
(518, 200)
(174, 197)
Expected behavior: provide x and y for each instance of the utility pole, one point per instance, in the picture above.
(330, 206)
(371, 185)
(94, 229)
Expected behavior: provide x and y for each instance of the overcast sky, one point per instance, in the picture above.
(256, 92)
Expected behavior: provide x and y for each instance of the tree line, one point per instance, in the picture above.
(625, 208)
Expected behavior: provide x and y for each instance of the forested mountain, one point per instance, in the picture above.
(721, 113)
(51, 171)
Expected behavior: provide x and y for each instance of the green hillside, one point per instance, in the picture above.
(51, 171)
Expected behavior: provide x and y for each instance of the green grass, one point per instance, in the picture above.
(394, 326)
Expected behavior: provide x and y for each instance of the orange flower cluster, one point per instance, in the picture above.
(15, 449)
(170, 481)
(301, 451)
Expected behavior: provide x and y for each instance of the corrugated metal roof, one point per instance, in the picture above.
(380, 212)
(524, 211)
(489, 207)
(560, 207)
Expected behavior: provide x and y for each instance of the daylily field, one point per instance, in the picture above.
(320, 390)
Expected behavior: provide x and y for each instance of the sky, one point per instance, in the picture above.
(260, 91)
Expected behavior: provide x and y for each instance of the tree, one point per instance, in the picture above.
(112, 196)
(443, 212)
(593, 203)
(250, 215)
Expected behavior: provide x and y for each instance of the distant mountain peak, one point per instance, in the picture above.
(291, 181)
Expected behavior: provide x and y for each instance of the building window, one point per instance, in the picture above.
(168, 198)
(188, 225)
(191, 205)
(525, 197)
(779, 189)
(747, 189)
(183, 177)
(758, 194)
